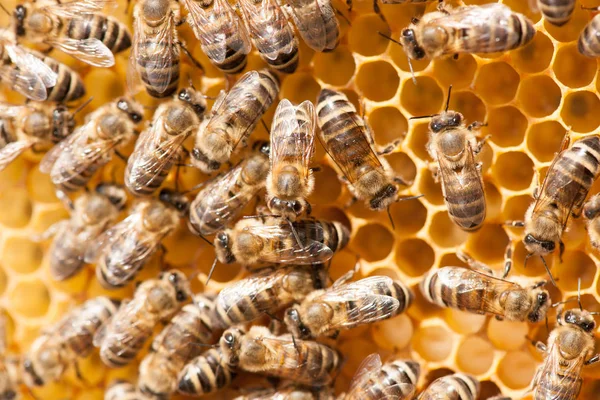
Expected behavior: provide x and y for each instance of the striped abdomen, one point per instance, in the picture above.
(66, 257)
(236, 43)
(111, 272)
(316, 17)
(75, 181)
(69, 86)
(153, 73)
(205, 374)
(452, 387)
(556, 12)
(120, 346)
(122, 390)
(589, 40)
(558, 382)
(396, 380)
(305, 362)
(108, 30)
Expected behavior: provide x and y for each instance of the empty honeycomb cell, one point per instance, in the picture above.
(463, 322)
(327, 186)
(516, 369)
(450, 260)
(299, 87)
(369, 78)
(388, 125)
(539, 95)
(16, 208)
(433, 342)
(515, 208)
(40, 187)
(488, 244)
(456, 72)
(418, 139)
(430, 188)
(336, 67)
(409, 216)
(493, 201)
(534, 266)
(356, 350)
(403, 167)
(485, 156)
(513, 170)
(29, 298)
(576, 265)
(507, 335)
(13, 173)
(361, 210)
(544, 139)
(424, 98)
(475, 355)
(572, 29)
(399, 58)
(572, 68)
(507, 125)
(393, 334)
(535, 56)
(414, 256)
(469, 105)
(364, 37)
(445, 232)
(343, 262)
(581, 111)
(21, 254)
(421, 309)
(373, 242)
(497, 83)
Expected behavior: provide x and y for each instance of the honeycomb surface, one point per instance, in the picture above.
(528, 98)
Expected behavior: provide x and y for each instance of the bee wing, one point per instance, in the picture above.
(216, 194)
(249, 288)
(292, 134)
(77, 139)
(28, 62)
(10, 110)
(310, 24)
(565, 386)
(91, 51)
(110, 236)
(205, 25)
(13, 150)
(24, 82)
(76, 8)
(369, 367)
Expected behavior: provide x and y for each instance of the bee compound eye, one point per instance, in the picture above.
(181, 296)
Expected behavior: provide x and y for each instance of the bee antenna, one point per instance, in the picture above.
(84, 105)
(212, 269)
(423, 116)
(579, 293)
(296, 236)
(190, 82)
(448, 100)
(391, 219)
(547, 270)
(265, 126)
(5, 10)
(547, 327)
(206, 240)
(389, 38)
(412, 71)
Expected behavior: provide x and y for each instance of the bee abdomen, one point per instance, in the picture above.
(69, 86)
(117, 353)
(65, 261)
(245, 308)
(112, 276)
(589, 40)
(397, 379)
(441, 287)
(122, 390)
(557, 12)
(234, 61)
(580, 165)
(205, 374)
(466, 205)
(168, 75)
(109, 31)
(455, 387)
(550, 386)
(77, 181)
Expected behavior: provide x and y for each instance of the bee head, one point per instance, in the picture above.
(8, 394)
(410, 44)
(294, 323)
(581, 319)
(179, 282)
(30, 375)
(63, 123)
(176, 200)
(133, 111)
(445, 120)
(540, 300)
(287, 209)
(202, 162)
(114, 193)
(231, 344)
(384, 197)
(537, 246)
(223, 248)
(592, 208)
(194, 99)
(263, 147)
(19, 15)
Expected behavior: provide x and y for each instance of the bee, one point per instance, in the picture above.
(349, 142)
(265, 292)
(591, 212)
(562, 194)
(589, 43)
(393, 380)
(10, 375)
(488, 28)
(154, 301)
(290, 179)
(271, 33)
(206, 374)
(33, 126)
(74, 160)
(175, 346)
(91, 214)
(556, 12)
(316, 23)
(158, 147)
(222, 35)
(76, 28)
(454, 147)
(232, 118)
(347, 305)
(570, 348)
(300, 361)
(122, 390)
(291, 392)
(121, 251)
(456, 386)
(64, 343)
(223, 198)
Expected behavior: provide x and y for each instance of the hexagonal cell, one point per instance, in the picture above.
(507, 125)
(393, 334)
(469, 105)
(493, 201)
(581, 111)
(445, 232)
(507, 335)
(403, 166)
(516, 369)
(327, 186)
(370, 76)
(450, 260)
(475, 355)
(424, 98)
(388, 125)
(409, 216)
(488, 244)
(430, 188)
(572, 29)
(373, 242)
(418, 138)
(16, 208)
(463, 322)
(421, 309)
(539, 95)
(363, 37)
(497, 83)
(572, 68)
(414, 256)
(544, 139)
(29, 298)
(513, 170)
(299, 87)
(524, 8)
(21, 254)
(576, 265)
(433, 343)
(535, 56)
(336, 67)
(515, 208)
(535, 266)
(456, 72)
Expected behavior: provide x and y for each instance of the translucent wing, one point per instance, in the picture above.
(563, 374)
(249, 289)
(130, 318)
(76, 140)
(24, 82)
(76, 8)
(26, 61)
(309, 21)
(293, 135)
(219, 30)
(91, 51)
(10, 110)
(369, 367)
(13, 150)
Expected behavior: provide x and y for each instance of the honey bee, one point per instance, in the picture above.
(290, 179)
(588, 43)
(570, 348)
(316, 23)
(265, 292)
(456, 386)
(488, 28)
(454, 146)
(591, 212)
(289, 392)
(477, 291)
(233, 117)
(561, 195)
(206, 374)
(300, 361)
(393, 380)
(32, 126)
(349, 142)
(154, 301)
(91, 214)
(347, 305)
(222, 35)
(9, 367)
(76, 28)
(271, 33)
(556, 12)
(122, 251)
(64, 343)
(158, 147)
(123, 390)
(74, 160)
(223, 198)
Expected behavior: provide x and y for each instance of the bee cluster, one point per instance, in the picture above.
(251, 203)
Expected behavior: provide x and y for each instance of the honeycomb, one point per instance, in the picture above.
(528, 97)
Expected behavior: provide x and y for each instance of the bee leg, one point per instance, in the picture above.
(382, 151)
(121, 156)
(434, 168)
(479, 146)
(508, 260)
(341, 14)
(561, 251)
(190, 56)
(79, 374)
(474, 264)
(349, 4)
(441, 8)
(515, 224)
(163, 254)
(377, 11)
(592, 360)
(51, 231)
